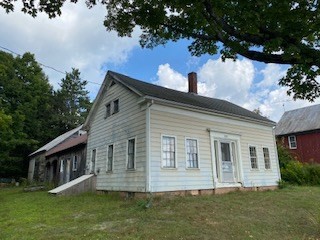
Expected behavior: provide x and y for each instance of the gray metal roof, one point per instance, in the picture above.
(299, 120)
(56, 141)
(190, 100)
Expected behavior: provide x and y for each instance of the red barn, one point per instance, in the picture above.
(299, 131)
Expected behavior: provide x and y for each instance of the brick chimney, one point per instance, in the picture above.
(193, 83)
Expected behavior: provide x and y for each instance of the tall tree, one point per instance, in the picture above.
(72, 101)
(269, 31)
(25, 97)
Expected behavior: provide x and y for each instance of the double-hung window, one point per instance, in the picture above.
(192, 153)
(292, 142)
(110, 158)
(266, 157)
(131, 153)
(253, 157)
(168, 152)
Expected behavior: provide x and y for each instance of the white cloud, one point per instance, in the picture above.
(75, 39)
(272, 73)
(234, 81)
(169, 78)
(227, 80)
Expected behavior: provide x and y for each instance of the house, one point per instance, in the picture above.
(40, 169)
(143, 138)
(299, 131)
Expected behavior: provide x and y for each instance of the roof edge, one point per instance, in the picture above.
(235, 116)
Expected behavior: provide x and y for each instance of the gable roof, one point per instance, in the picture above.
(189, 100)
(57, 141)
(72, 142)
(299, 120)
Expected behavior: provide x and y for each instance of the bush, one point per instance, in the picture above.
(295, 172)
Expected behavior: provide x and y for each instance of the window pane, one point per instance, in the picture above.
(253, 157)
(192, 153)
(266, 158)
(108, 110)
(110, 158)
(168, 152)
(116, 106)
(131, 145)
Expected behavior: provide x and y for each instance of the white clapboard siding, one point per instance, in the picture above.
(129, 122)
(182, 124)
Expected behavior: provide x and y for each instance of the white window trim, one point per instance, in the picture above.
(135, 154)
(107, 170)
(175, 151)
(95, 164)
(112, 107)
(185, 147)
(264, 163)
(289, 142)
(62, 163)
(75, 168)
(257, 156)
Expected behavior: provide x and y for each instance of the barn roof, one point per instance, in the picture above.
(299, 120)
(56, 141)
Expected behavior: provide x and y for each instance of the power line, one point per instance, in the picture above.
(46, 66)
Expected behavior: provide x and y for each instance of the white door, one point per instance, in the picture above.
(227, 168)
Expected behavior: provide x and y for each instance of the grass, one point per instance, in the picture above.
(290, 213)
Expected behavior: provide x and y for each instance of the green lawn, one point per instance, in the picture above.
(291, 213)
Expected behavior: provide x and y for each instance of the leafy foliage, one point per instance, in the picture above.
(24, 106)
(269, 31)
(72, 102)
(295, 172)
(31, 113)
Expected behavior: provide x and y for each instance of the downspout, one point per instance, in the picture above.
(148, 152)
(276, 152)
(213, 165)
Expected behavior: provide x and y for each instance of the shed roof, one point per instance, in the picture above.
(57, 141)
(189, 100)
(72, 142)
(299, 120)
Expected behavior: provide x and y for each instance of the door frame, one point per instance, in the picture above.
(215, 138)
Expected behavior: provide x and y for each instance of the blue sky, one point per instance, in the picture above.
(78, 39)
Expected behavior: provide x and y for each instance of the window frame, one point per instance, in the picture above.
(113, 106)
(134, 154)
(187, 155)
(95, 150)
(108, 110)
(62, 163)
(264, 158)
(290, 143)
(175, 152)
(75, 163)
(107, 166)
(250, 157)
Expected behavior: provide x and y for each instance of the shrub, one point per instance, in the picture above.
(295, 172)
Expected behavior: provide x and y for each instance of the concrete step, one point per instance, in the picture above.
(85, 183)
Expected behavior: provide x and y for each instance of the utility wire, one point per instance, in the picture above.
(46, 66)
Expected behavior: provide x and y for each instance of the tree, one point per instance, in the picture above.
(25, 112)
(72, 102)
(269, 31)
